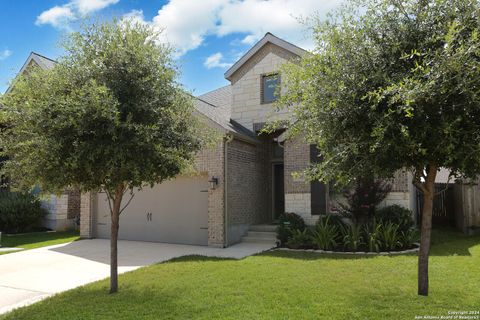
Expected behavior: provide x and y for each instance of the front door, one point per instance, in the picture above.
(278, 191)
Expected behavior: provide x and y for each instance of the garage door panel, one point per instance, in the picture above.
(179, 213)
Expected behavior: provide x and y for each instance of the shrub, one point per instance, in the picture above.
(397, 215)
(20, 212)
(362, 199)
(390, 237)
(352, 237)
(408, 238)
(300, 239)
(372, 237)
(336, 220)
(325, 234)
(287, 223)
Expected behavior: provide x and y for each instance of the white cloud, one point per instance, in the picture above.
(215, 61)
(250, 39)
(187, 23)
(5, 54)
(87, 6)
(56, 16)
(60, 16)
(135, 16)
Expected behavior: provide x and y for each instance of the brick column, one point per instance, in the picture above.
(210, 161)
(297, 189)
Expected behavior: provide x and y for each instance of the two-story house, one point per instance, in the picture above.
(245, 180)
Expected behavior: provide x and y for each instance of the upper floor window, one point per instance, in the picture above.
(269, 88)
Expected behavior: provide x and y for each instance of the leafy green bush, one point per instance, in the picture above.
(352, 237)
(300, 239)
(325, 234)
(19, 212)
(372, 237)
(390, 237)
(336, 220)
(397, 215)
(408, 238)
(287, 223)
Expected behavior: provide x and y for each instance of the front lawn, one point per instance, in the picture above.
(37, 239)
(281, 285)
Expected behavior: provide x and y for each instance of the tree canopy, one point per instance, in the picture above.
(111, 111)
(390, 85)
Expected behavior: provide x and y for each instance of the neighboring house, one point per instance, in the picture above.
(64, 209)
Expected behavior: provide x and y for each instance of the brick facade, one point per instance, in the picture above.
(211, 161)
(296, 160)
(247, 188)
(73, 209)
(297, 189)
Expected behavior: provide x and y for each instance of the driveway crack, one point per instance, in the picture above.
(15, 288)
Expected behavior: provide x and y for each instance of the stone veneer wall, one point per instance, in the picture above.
(60, 209)
(247, 192)
(86, 218)
(247, 108)
(208, 161)
(403, 192)
(399, 198)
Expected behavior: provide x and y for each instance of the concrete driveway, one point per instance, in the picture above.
(29, 276)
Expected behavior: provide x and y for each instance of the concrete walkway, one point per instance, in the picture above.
(29, 276)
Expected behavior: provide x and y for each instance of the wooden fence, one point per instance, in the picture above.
(443, 205)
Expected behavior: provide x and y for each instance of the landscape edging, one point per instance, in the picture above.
(359, 253)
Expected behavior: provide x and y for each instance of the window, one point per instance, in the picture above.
(269, 88)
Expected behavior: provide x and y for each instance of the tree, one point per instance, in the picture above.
(392, 84)
(109, 116)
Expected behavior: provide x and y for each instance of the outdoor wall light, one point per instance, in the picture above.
(213, 182)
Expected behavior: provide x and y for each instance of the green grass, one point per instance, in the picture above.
(37, 239)
(281, 285)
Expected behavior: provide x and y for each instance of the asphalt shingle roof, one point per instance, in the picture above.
(217, 106)
(42, 61)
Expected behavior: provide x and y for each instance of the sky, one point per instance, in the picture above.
(209, 35)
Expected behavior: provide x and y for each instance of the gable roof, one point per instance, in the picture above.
(268, 38)
(41, 61)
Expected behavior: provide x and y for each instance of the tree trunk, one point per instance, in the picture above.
(115, 215)
(426, 229)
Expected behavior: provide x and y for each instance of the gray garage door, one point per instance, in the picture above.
(174, 212)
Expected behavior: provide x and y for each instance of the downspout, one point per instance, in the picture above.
(228, 139)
